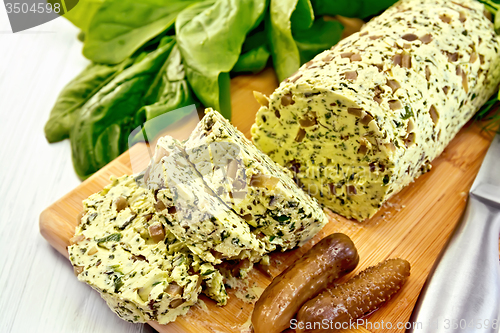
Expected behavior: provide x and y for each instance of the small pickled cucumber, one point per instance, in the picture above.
(361, 295)
(333, 257)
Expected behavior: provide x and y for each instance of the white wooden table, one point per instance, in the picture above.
(39, 292)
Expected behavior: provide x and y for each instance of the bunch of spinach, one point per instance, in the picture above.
(150, 57)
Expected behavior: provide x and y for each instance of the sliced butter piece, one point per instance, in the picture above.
(255, 187)
(194, 214)
(364, 119)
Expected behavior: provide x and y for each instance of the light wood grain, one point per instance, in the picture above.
(414, 225)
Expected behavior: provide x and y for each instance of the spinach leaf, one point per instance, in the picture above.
(170, 87)
(170, 91)
(74, 95)
(286, 56)
(252, 61)
(350, 8)
(101, 130)
(210, 35)
(303, 16)
(121, 27)
(254, 52)
(255, 38)
(321, 36)
(82, 13)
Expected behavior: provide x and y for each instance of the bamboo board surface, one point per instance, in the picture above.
(415, 224)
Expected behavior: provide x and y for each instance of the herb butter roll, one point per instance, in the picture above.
(364, 119)
(194, 213)
(122, 249)
(262, 192)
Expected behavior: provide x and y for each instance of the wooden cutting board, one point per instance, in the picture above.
(414, 225)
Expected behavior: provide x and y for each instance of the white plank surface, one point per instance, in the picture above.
(39, 292)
